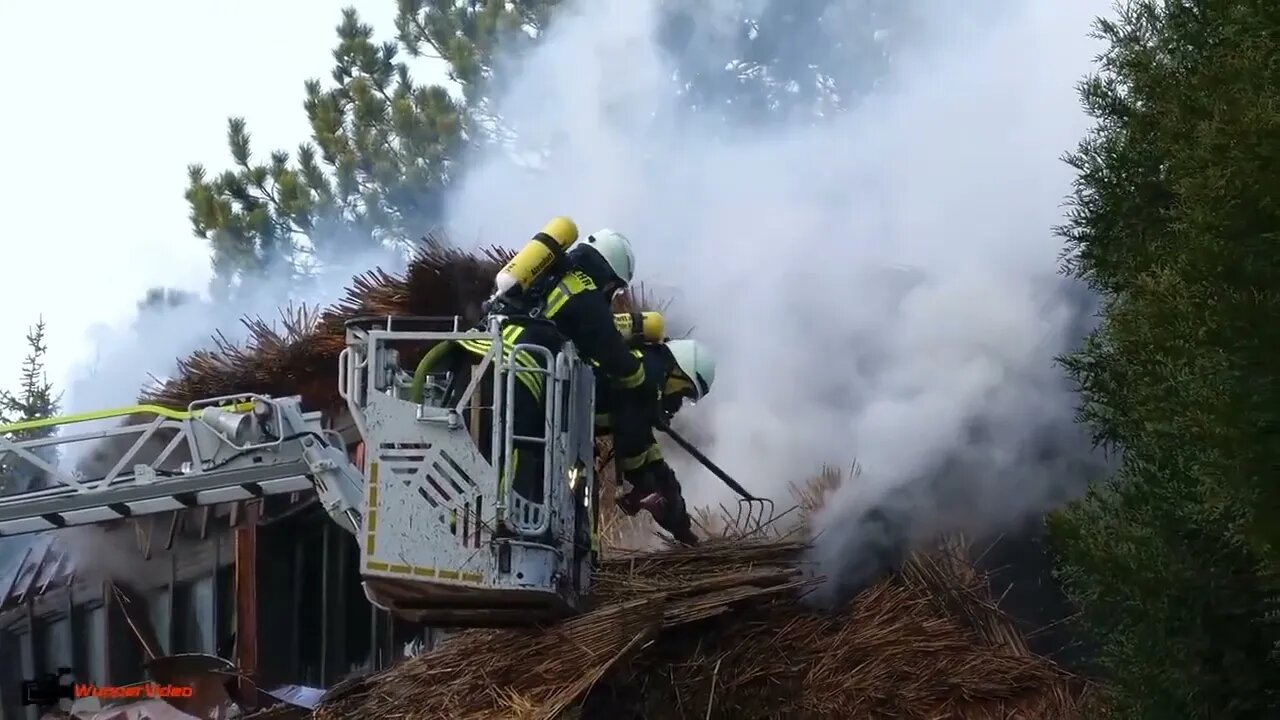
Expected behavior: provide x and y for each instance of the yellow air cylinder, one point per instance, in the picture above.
(641, 327)
(536, 256)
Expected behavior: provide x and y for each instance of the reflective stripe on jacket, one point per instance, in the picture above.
(535, 381)
(591, 340)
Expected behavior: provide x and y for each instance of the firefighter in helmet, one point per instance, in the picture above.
(556, 289)
(679, 370)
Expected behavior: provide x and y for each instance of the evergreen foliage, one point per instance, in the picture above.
(34, 399)
(1175, 222)
(381, 151)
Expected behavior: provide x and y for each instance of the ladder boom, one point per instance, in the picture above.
(235, 448)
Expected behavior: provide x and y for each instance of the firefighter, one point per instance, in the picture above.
(571, 302)
(580, 302)
(679, 370)
(572, 283)
(524, 470)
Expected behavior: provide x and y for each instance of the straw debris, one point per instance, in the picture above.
(718, 631)
(723, 631)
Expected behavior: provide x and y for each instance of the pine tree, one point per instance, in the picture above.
(381, 151)
(383, 148)
(35, 399)
(1175, 223)
(468, 37)
(782, 60)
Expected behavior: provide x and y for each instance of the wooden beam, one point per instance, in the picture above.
(338, 622)
(174, 522)
(246, 571)
(144, 535)
(171, 600)
(73, 631)
(104, 596)
(325, 592)
(217, 593)
(295, 618)
(37, 643)
(134, 611)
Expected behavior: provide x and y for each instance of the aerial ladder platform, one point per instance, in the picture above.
(444, 538)
(216, 451)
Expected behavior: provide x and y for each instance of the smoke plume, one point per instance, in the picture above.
(127, 359)
(878, 284)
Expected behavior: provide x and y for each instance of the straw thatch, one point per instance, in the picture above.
(300, 357)
(723, 631)
(718, 631)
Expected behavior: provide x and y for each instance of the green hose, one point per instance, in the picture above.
(424, 368)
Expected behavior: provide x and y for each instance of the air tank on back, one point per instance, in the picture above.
(637, 328)
(540, 253)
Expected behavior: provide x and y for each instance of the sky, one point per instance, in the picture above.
(110, 103)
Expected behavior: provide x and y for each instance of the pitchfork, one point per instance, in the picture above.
(753, 513)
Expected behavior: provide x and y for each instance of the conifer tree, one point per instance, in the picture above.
(381, 150)
(781, 60)
(477, 39)
(34, 399)
(384, 148)
(1175, 224)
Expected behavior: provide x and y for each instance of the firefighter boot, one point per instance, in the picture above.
(676, 521)
(682, 530)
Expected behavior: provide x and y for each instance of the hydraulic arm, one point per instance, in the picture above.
(218, 450)
(444, 539)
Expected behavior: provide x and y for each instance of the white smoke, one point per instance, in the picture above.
(124, 360)
(780, 241)
(130, 358)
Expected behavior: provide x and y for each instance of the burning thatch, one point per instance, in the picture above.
(720, 631)
(723, 631)
(302, 357)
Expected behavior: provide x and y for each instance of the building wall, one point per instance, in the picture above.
(314, 624)
(87, 625)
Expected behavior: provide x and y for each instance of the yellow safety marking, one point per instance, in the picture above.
(371, 509)
(163, 412)
(400, 569)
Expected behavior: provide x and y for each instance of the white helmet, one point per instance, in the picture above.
(696, 361)
(615, 248)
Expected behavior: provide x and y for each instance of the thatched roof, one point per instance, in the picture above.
(718, 631)
(300, 356)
